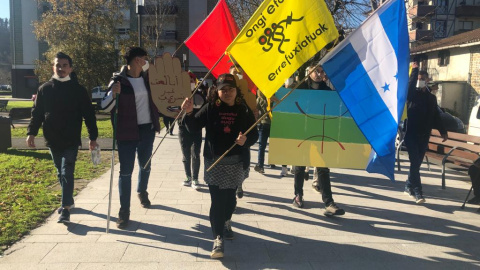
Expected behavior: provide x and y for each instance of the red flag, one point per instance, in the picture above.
(212, 37)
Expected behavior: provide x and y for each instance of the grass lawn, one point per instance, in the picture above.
(104, 130)
(29, 190)
(19, 104)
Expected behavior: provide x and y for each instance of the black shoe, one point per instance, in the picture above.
(64, 217)
(144, 201)
(239, 192)
(306, 176)
(298, 201)
(272, 166)
(474, 200)
(259, 169)
(333, 210)
(227, 230)
(123, 219)
(217, 251)
(419, 198)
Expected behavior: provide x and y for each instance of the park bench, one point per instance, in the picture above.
(460, 149)
(3, 105)
(19, 113)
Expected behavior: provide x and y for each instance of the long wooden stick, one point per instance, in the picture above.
(264, 115)
(179, 47)
(181, 112)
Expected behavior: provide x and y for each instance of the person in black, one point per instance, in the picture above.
(60, 106)
(191, 142)
(225, 118)
(474, 172)
(422, 116)
(316, 81)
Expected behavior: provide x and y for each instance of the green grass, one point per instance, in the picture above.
(104, 130)
(19, 104)
(29, 190)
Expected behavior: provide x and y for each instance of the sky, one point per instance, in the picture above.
(4, 9)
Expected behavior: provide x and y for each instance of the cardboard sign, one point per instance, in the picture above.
(170, 84)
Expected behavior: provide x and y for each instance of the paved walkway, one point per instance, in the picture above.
(382, 229)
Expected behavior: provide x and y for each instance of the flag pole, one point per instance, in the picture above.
(179, 47)
(181, 112)
(115, 113)
(264, 115)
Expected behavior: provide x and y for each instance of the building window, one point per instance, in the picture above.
(440, 29)
(443, 58)
(123, 31)
(465, 25)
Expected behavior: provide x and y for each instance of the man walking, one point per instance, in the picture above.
(60, 105)
(422, 115)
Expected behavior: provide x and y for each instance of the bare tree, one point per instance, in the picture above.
(155, 24)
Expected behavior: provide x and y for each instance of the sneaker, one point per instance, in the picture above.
(284, 171)
(306, 175)
(123, 218)
(59, 210)
(64, 217)
(187, 182)
(227, 230)
(273, 166)
(474, 200)
(240, 192)
(144, 201)
(217, 251)
(333, 209)
(409, 192)
(419, 198)
(298, 201)
(316, 187)
(259, 169)
(195, 184)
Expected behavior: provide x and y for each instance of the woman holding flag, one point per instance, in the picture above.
(225, 119)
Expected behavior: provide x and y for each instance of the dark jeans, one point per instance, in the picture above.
(474, 173)
(221, 209)
(263, 134)
(323, 183)
(126, 155)
(64, 160)
(168, 122)
(190, 144)
(416, 147)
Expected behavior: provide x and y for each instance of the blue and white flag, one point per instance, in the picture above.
(369, 69)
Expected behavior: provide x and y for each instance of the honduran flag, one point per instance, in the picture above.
(369, 69)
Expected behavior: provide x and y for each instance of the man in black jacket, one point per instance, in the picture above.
(423, 115)
(60, 105)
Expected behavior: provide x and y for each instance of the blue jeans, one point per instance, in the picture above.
(126, 155)
(263, 134)
(64, 160)
(416, 147)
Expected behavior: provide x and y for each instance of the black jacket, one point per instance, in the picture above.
(422, 111)
(61, 108)
(223, 124)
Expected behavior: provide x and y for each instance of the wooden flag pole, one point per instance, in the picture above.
(179, 47)
(264, 115)
(181, 112)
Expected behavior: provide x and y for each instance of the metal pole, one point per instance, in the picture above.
(113, 162)
(139, 29)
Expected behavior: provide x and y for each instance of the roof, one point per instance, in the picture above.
(460, 39)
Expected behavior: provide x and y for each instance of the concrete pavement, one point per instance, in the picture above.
(382, 229)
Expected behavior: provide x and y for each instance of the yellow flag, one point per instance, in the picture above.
(279, 38)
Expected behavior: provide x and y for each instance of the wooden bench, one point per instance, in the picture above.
(3, 105)
(19, 113)
(460, 149)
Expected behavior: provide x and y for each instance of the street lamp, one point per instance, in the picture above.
(140, 12)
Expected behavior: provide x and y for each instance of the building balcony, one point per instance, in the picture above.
(420, 35)
(421, 11)
(467, 11)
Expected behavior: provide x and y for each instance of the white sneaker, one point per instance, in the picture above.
(195, 184)
(284, 172)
